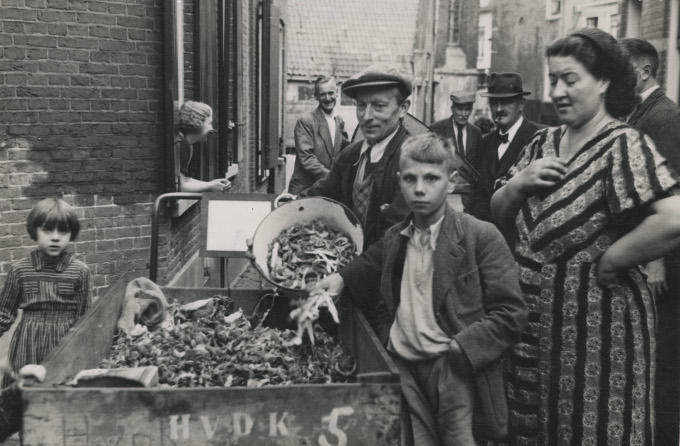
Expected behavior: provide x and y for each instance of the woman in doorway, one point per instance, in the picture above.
(195, 124)
(587, 203)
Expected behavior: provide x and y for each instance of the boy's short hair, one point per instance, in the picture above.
(192, 115)
(49, 213)
(428, 148)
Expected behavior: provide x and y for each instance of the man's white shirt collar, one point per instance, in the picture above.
(378, 148)
(513, 130)
(645, 94)
(511, 134)
(411, 230)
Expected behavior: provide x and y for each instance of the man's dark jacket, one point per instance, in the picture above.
(476, 295)
(659, 118)
(491, 168)
(473, 138)
(386, 206)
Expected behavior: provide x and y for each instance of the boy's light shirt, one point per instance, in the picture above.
(415, 334)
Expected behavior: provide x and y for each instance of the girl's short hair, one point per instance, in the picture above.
(600, 54)
(50, 213)
(192, 115)
(428, 148)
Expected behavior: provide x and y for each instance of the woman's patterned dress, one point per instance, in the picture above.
(582, 373)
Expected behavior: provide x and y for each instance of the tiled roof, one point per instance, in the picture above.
(342, 37)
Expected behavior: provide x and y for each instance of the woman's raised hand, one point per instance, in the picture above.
(540, 174)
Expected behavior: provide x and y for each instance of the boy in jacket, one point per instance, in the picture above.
(450, 304)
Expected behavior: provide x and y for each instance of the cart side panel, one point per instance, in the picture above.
(89, 340)
(337, 415)
(373, 362)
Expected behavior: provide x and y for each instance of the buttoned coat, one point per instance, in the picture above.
(387, 205)
(314, 149)
(491, 168)
(473, 137)
(476, 297)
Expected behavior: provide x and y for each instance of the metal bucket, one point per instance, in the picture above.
(336, 215)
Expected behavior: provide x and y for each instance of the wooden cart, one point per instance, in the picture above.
(362, 413)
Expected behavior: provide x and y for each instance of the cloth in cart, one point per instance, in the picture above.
(144, 307)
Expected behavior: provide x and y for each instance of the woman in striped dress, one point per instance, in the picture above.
(587, 202)
(51, 287)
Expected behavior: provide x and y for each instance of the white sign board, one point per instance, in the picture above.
(229, 219)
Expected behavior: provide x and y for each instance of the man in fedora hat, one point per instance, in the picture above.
(466, 137)
(364, 175)
(501, 148)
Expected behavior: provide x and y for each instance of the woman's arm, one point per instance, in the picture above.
(656, 236)
(188, 184)
(506, 202)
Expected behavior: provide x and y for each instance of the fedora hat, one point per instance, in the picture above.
(377, 76)
(463, 97)
(505, 85)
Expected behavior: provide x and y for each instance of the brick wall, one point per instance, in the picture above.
(80, 83)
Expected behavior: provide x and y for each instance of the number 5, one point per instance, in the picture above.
(332, 421)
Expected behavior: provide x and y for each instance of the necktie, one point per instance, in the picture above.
(364, 161)
(461, 147)
(502, 137)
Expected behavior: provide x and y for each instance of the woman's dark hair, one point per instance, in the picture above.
(602, 57)
(50, 213)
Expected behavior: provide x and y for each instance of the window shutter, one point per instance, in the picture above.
(271, 83)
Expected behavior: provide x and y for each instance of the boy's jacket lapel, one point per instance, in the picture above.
(448, 254)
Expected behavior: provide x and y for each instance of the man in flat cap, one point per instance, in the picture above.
(364, 175)
(319, 137)
(501, 148)
(466, 137)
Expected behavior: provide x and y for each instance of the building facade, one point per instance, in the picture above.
(86, 98)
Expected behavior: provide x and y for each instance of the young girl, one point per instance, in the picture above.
(51, 287)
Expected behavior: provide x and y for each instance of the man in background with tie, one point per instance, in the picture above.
(464, 136)
(658, 117)
(319, 137)
(501, 148)
(364, 175)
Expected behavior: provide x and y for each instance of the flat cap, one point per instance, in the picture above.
(378, 75)
(463, 97)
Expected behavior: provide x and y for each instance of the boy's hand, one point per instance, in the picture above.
(459, 361)
(333, 285)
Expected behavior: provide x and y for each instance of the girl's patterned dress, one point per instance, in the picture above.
(53, 293)
(583, 372)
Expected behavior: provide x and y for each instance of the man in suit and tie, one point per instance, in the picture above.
(500, 148)
(466, 137)
(319, 137)
(659, 118)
